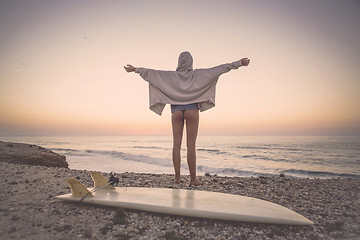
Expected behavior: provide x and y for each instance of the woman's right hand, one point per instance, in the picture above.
(245, 61)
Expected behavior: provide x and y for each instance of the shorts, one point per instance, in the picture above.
(191, 106)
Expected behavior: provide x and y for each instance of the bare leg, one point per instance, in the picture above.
(177, 128)
(192, 125)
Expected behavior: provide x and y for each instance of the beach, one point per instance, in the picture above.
(29, 210)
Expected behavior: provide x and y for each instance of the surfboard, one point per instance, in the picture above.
(190, 203)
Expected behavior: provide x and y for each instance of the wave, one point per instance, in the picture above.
(288, 149)
(290, 173)
(69, 151)
(152, 147)
(100, 152)
(233, 172)
(224, 171)
(318, 174)
(214, 151)
(164, 162)
(251, 147)
(267, 158)
(64, 149)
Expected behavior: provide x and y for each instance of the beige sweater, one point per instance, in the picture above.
(185, 85)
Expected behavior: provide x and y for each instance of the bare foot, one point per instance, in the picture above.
(195, 183)
(177, 180)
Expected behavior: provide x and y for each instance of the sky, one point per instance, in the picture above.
(61, 65)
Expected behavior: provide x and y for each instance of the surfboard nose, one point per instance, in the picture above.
(308, 221)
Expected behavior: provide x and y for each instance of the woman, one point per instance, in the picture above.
(188, 91)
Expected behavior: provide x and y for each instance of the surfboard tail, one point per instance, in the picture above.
(78, 189)
(100, 181)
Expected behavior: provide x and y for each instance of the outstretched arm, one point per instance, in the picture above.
(224, 68)
(129, 68)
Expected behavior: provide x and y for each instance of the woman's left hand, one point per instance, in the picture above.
(129, 68)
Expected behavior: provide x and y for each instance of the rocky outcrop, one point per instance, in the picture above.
(28, 154)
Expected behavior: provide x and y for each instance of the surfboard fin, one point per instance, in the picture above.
(100, 180)
(78, 189)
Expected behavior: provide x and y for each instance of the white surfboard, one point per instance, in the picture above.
(191, 203)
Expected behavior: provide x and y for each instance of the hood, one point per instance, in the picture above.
(185, 62)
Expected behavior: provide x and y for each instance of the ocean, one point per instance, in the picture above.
(298, 156)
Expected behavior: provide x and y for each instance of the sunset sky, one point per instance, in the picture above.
(61, 65)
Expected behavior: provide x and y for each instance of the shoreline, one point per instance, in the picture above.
(301, 157)
(29, 210)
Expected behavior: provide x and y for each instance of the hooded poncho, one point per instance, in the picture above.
(185, 85)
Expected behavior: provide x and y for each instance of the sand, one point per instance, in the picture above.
(28, 209)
